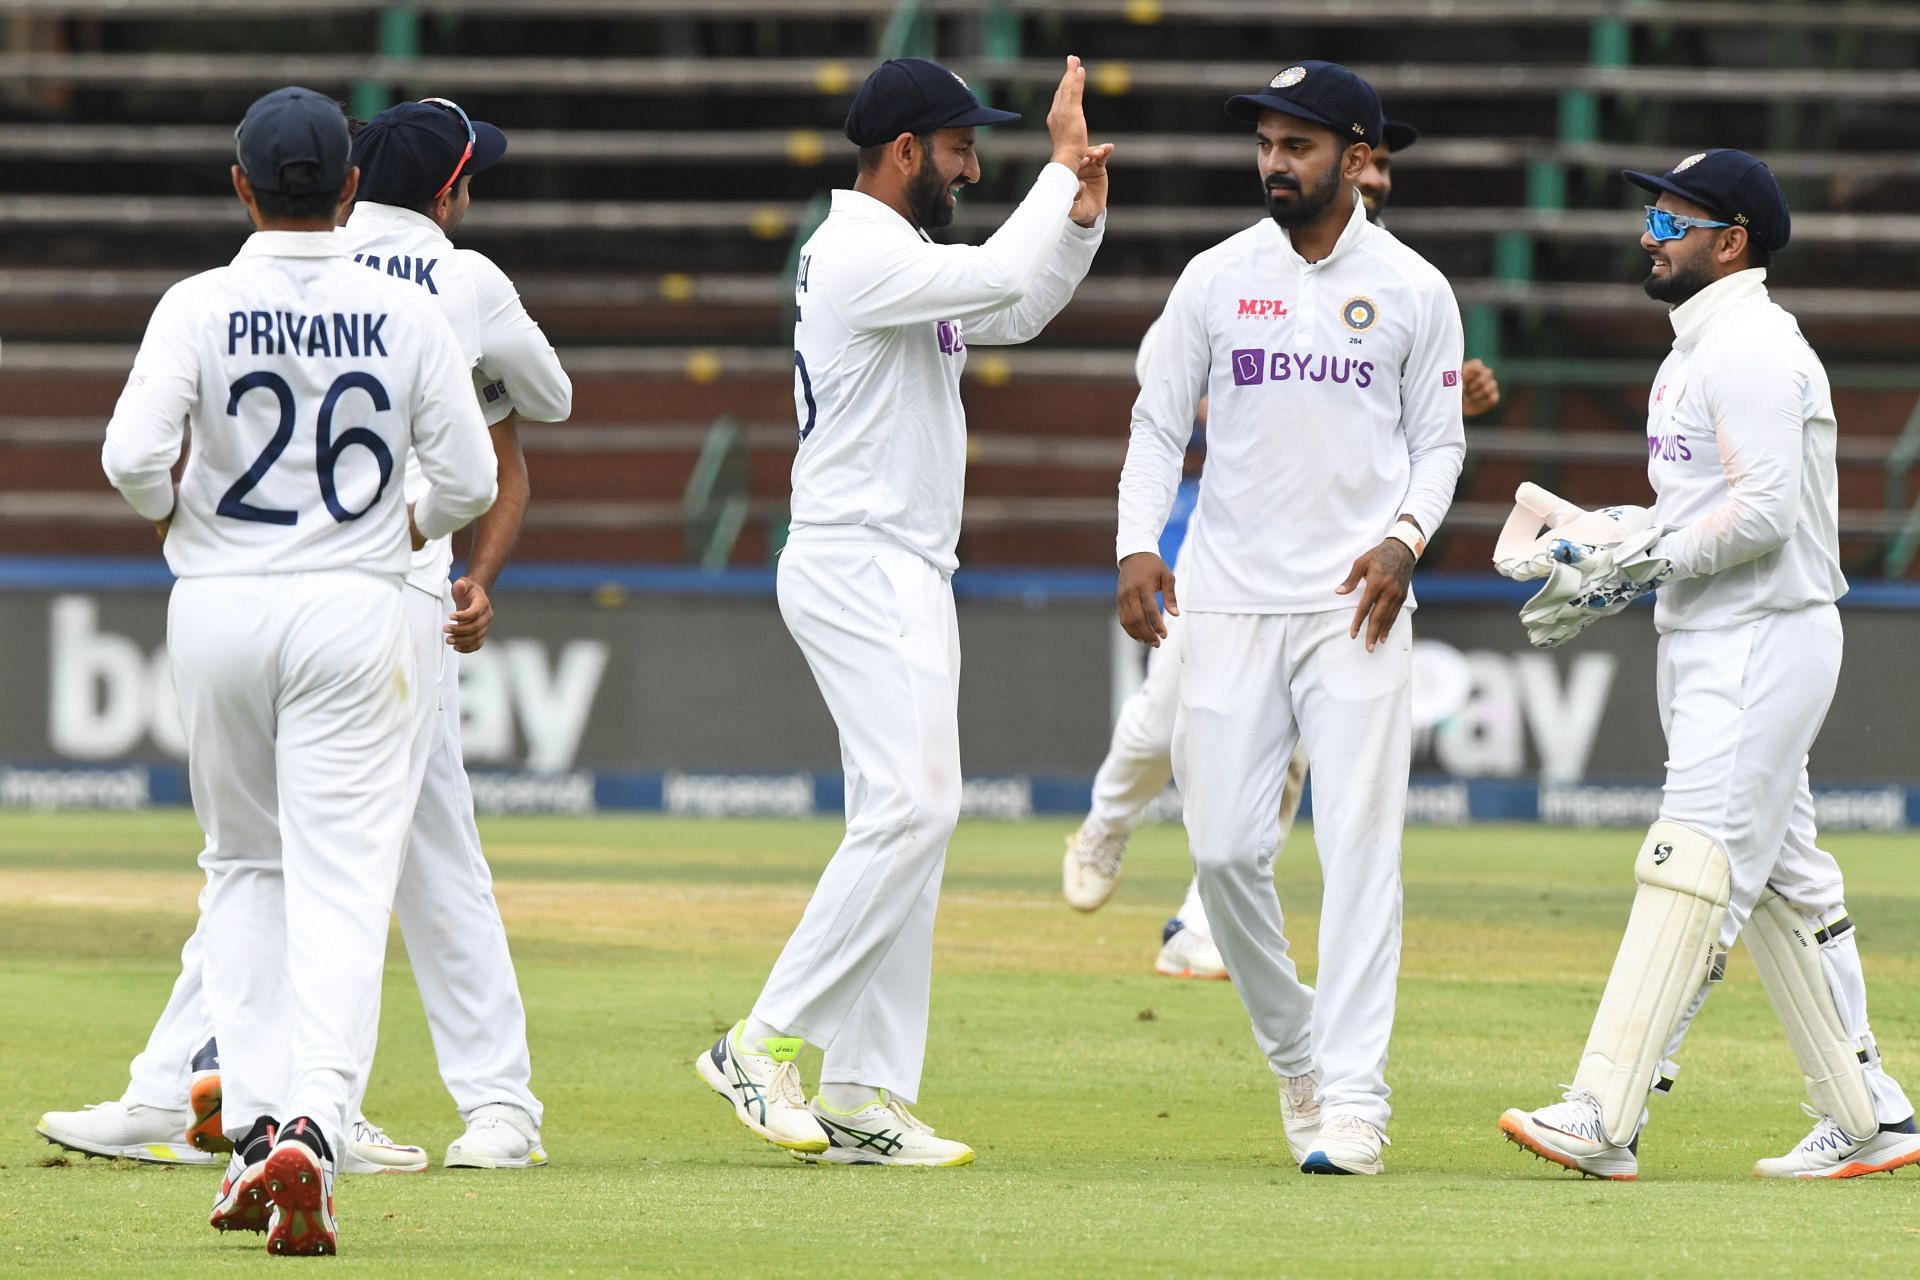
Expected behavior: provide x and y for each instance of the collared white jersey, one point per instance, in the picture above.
(514, 367)
(306, 380)
(1740, 450)
(883, 318)
(1333, 406)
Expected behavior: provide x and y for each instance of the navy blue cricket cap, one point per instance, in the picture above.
(1734, 186)
(913, 95)
(293, 126)
(409, 153)
(1398, 135)
(1323, 92)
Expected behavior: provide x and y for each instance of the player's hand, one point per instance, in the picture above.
(1479, 391)
(1091, 201)
(1143, 575)
(472, 615)
(415, 538)
(1388, 573)
(1066, 120)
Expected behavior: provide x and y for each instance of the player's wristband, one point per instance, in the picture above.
(1409, 533)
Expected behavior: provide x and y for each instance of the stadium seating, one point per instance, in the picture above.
(666, 155)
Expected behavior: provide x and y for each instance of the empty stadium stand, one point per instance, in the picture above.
(666, 154)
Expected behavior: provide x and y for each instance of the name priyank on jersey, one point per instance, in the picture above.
(418, 270)
(284, 333)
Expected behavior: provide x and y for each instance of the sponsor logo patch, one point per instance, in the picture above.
(1451, 378)
(1249, 367)
(1661, 852)
(1262, 308)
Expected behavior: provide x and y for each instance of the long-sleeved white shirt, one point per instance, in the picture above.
(515, 369)
(1740, 451)
(883, 320)
(1334, 406)
(307, 380)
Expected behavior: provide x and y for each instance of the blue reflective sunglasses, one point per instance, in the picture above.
(1664, 226)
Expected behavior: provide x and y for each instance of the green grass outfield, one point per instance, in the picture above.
(1125, 1124)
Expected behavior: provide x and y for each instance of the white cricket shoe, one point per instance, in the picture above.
(242, 1204)
(370, 1150)
(1345, 1144)
(1188, 953)
(1091, 870)
(125, 1131)
(1300, 1113)
(300, 1185)
(1572, 1133)
(764, 1089)
(499, 1136)
(882, 1132)
(1830, 1152)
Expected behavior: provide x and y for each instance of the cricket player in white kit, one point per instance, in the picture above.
(306, 381)
(1742, 545)
(416, 163)
(884, 319)
(1139, 759)
(1334, 442)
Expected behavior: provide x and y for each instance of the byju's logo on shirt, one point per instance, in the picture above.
(1253, 366)
(951, 341)
(1262, 309)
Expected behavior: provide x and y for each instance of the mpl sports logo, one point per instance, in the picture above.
(1262, 309)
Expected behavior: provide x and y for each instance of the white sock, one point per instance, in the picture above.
(756, 1032)
(847, 1097)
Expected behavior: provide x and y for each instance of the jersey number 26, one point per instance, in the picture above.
(327, 449)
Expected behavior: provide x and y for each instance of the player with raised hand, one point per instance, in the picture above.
(1334, 442)
(306, 380)
(1742, 545)
(883, 319)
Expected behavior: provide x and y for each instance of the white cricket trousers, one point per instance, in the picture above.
(877, 626)
(456, 943)
(1253, 687)
(293, 691)
(1741, 707)
(1139, 760)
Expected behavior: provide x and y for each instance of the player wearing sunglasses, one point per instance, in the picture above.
(1742, 545)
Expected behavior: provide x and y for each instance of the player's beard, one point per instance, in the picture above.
(927, 197)
(1310, 205)
(1679, 283)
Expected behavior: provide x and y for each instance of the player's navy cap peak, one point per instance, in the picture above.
(410, 153)
(1398, 135)
(1734, 186)
(1323, 92)
(293, 126)
(914, 95)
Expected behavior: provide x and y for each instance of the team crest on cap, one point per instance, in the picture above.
(1288, 78)
(1690, 161)
(1359, 314)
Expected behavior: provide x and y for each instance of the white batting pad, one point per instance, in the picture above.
(1671, 947)
(1788, 959)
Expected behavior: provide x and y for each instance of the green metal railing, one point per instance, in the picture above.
(716, 504)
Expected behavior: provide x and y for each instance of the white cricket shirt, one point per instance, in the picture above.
(306, 379)
(1740, 451)
(884, 317)
(1333, 406)
(515, 369)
